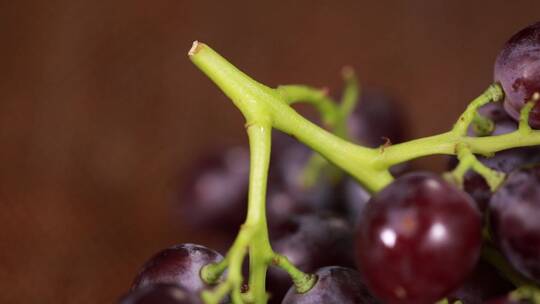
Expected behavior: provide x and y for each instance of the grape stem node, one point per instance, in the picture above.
(524, 126)
(467, 160)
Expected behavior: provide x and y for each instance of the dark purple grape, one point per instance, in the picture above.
(482, 284)
(288, 196)
(418, 239)
(514, 218)
(517, 68)
(282, 207)
(355, 199)
(180, 264)
(312, 236)
(475, 185)
(311, 241)
(376, 118)
(214, 195)
(287, 169)
(160, 294)
(335, 285)
(505, 161)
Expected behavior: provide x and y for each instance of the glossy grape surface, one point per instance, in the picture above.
(160, 294)
(514, 216)
(312, 241)
(335, 285)
(517, 68)
(180, 264)
(418, 239)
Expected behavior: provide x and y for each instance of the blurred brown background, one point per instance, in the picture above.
(100, 110)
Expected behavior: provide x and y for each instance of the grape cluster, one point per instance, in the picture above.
(514, 212)
(312, 225)
(420, 239)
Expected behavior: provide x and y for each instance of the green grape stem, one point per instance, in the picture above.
(467, 160)
(265, 108)
(334, 117)
(302, 281)
(526, 294)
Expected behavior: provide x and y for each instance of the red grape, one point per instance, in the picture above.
(418, 239)
(517, 68)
